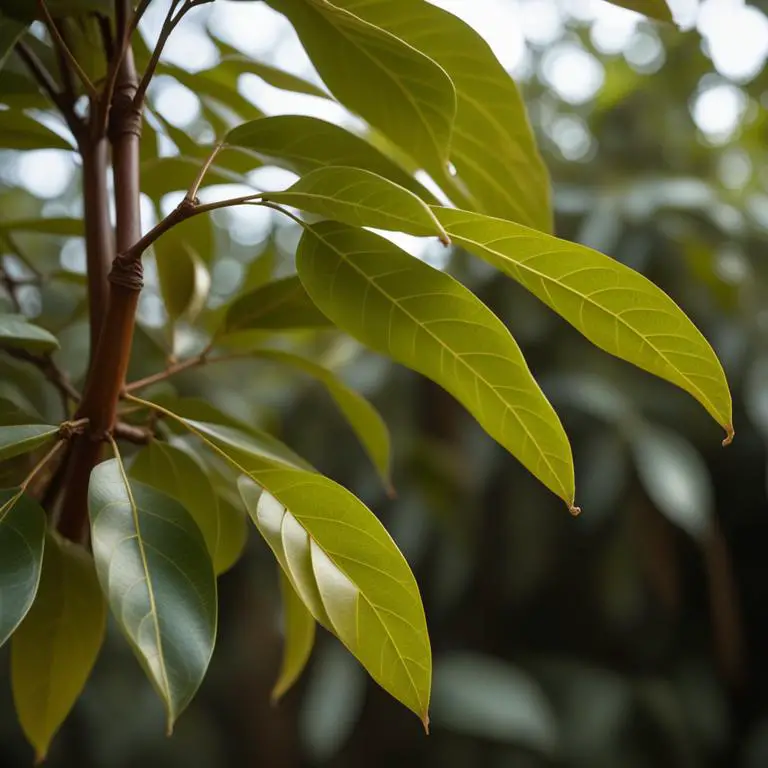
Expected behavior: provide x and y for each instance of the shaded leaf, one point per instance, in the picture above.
(362, 199)
(299, 637)
(155, 570)
(17, 333)
(426, 320)
(22, 538)
(55, 648)
(184, 278)
(616, 308)
(162, 175)
(66, 227)
(24, 438)
(10, 31)
(17, 131)
(394, 87)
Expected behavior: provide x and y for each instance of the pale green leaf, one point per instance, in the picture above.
(55, 648)
(393, 86)
(493, 150)
(299, 637)
(301, 144)
(15, 440)
(17, 131)
(17, 333)
(362, 199)
(656, 9)
(174, 471)
(22, 539)
(616, 308)
(184, 278)
(426, 320)
(155, 570)
(281, 305)
(364, 419)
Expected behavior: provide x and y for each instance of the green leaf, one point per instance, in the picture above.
(616, 308)
(17, 333)
(184, 278)
(426, 320)
(173, 471)
(364, 419)
(22, 539)
(362, 199)
(66, 227)
(393, 86)
(17, 131)
(155, 570)
(299, 631)
(24, 438)
(55, 648)
(341, 561)
(162, 175)
(656, 9)
(281, 305)
(493, 148)
(301, 144)
(10, 32)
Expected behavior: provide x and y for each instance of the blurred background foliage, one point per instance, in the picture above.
(632, 636)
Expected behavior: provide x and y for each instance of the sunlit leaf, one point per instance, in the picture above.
(18, 131)
(299, 632)
(302, 143)
(155, 570)
(24, 438)
(55, 648)
(393, 86)
(360, 198)
(656, 9)
(493, 149)
(616, 308)
(22, 538)
(426, 320)
(17, 333)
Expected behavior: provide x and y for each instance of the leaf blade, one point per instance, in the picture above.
(17, 333)
(15, 440)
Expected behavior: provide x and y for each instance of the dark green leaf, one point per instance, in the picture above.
(49, 226)
(17, 333)
(17, 131)
(155, 570)
(10, 31)
(184, 279)
(24, 438)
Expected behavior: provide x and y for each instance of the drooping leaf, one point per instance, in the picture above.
(24, 438)
(17, 333)
(55, 648)
(18, 131)
(299, 637)
(493, 148)
(10, 31)
(426, 320)
(22, 538)
(281, 305)
(184, 278)
(656, 9)
(362, 199)
(154, 567)
(364, 419)
(394, 87)
(66, 227)
(302, 144)
(174, 471)
(616, 308)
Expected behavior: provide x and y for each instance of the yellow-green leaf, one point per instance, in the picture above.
(55, 648)
(22, 539)
(15, 440)
(299, 637)
(154, 567)
(426, 320)
(616, 308)
(362, 199)
(16, 332)
(393, 86)
(498, 167)
(656, 9)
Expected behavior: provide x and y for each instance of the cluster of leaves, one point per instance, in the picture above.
(436, 102)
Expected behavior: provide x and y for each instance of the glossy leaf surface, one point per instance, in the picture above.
(16, 332)
(15, 440)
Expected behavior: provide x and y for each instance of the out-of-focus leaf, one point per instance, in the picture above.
(10, 31)
(184, 279)
(281, 305)
(362, 199)
(299, 633)
(55, 648)
(17, 333)
(493, 149)
(24, 438)
(616, 308)
(302, 143)
(364, 419)
(656, 9)
(18, 131)
(676, 478)
(22, 538)
(392, 85)
(486, 698)
(155, 569)
(426, 320)
(162, 175)
(49, 226)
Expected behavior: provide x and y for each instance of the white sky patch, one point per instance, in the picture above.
(175, 102)
(46, 173)
(541, 21)
(717, 111)
(573, 73)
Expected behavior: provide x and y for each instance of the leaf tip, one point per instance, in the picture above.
(574, 510)
(41, 755)
(390, 490)
(444, 238)
(730, 433)
(425, 722)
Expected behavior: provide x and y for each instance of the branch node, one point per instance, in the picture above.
(124, 117)
(127, 272)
